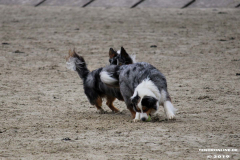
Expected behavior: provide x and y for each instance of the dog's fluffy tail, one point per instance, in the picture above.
(77, 63)
(110, 75)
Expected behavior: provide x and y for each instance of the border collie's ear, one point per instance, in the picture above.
(149, 102)
(123, 52)
(112, 53)
(135, 99)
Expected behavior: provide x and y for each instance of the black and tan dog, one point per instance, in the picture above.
(94, 88)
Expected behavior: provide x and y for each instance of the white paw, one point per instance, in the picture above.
(170, 115)
(137, 117)
(169, 110)
(136, 120)
(100, 111)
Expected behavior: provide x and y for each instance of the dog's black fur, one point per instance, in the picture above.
(94, 88)
(119, 59)
(149, 102)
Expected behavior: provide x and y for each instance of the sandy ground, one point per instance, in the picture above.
(44, 113)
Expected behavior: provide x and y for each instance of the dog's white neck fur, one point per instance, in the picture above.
(147, 88)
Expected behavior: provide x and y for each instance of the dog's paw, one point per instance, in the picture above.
(136, 120)
(116, 111)
(170, 116)
(169, 110)
(100, 111)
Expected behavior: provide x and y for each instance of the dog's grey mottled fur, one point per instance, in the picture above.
(128, 77)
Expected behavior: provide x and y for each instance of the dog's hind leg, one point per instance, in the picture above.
(109, 103)
(98, 104)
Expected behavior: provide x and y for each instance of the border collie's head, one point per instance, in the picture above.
(119, 59)
(144, 105)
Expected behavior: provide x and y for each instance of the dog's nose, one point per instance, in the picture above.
(143, 119)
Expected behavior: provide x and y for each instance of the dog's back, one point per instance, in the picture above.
(134, 74)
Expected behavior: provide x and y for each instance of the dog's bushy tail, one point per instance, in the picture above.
(110, 75)
(77, 63)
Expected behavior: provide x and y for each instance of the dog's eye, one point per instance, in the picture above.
(145, 109)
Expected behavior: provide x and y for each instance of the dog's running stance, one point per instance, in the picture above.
(143, 88)
(94, 88)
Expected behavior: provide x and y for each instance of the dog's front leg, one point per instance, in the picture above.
(169, 110)
(132, 112)
(137, 117)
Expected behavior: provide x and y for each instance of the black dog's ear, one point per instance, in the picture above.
(123, 52)
(125, 56)
(149, 102)
(112, 53)
(135, 99)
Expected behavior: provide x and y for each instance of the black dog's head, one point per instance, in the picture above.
(119, 59)
(144, 105)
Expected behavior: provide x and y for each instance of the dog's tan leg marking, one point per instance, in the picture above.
(109, 103)
(132, 112)
(99, 105)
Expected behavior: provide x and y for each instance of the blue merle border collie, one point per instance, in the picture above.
(94, 88)
(143, 88)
